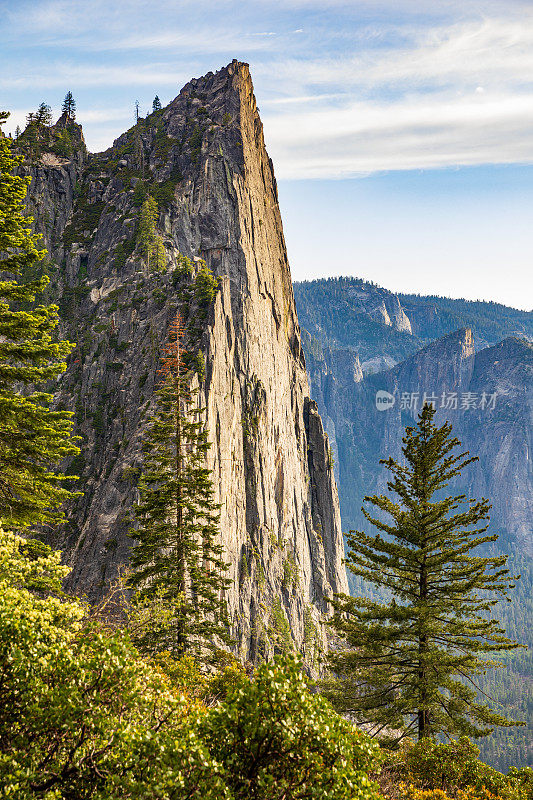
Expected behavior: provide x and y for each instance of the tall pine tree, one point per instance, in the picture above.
(33, 438)
(68, 106)
(177, 567)
(411, 663)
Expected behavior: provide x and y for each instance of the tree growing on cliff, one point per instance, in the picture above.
(177, 567)
(68, 106)
(412, 662)
(44, 114)
(150, 242)
(33, 439)
(156, 105)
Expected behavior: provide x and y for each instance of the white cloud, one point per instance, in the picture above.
(411, 134)
(203, 40)
(455, 95)
(79, 75)
(406, 92)
(497, 50)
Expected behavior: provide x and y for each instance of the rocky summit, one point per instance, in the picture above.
(203, 159)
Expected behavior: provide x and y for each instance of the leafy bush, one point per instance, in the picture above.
(195, 143)
(81, 715)
(123, 251)
(164, 193)
(430, 770)
(184, 268)
(139, 194)
(277, 740)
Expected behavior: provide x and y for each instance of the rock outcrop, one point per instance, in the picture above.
(204, 160)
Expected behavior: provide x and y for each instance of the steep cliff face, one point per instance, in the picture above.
(501, 434)
(204, 159)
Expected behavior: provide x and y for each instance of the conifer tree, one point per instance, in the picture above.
(68, 106)
(177, 569)
(44, 114)
(412, 662)
(151, 243)
(33, 439)
(156, 105)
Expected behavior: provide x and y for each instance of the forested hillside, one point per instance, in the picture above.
(432, 317)
(375, 322)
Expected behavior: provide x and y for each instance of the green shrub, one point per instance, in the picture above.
(123, 251)
(84, 221)
(274, 739)
(184, 268)
(164, 193)
(195, 143)
(82, 715)
(454, 769)
(139, 194)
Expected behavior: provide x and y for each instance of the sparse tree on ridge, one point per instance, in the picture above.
(156, 105)
(68, 106)
(44, 114)
(411, 663)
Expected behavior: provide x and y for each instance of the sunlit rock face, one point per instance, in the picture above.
(204, 159)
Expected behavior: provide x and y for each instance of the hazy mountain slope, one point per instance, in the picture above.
(383, 327)
(432, 317)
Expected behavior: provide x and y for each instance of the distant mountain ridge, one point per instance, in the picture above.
(432, 317)
(384, 328)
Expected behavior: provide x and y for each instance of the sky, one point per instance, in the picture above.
(401, 130)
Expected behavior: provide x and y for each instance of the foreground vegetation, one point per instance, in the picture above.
(413, 662)
(84, 715)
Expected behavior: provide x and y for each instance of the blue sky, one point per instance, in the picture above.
(401, 130)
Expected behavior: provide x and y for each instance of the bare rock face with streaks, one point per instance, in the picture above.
(204, 160)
